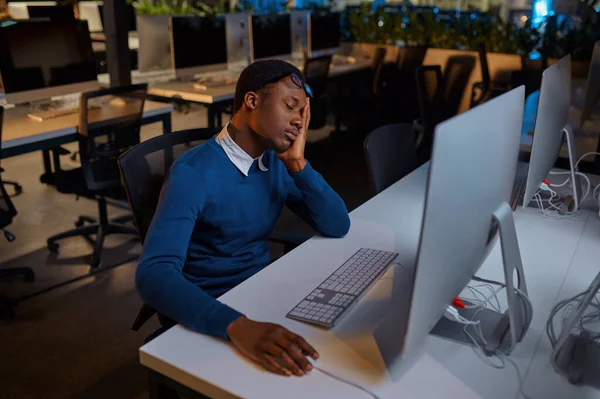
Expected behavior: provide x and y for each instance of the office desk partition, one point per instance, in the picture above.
(22, 134)
(389, 221)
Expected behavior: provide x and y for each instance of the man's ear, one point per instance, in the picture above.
(251, 100)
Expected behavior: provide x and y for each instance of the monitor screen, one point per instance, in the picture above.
(271, 35)
(130, 17)
(37, 55)
(53, 13)
(198, 41)
(324, 31)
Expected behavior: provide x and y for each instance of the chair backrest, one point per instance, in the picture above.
(316, 72)
(432, 102)
(390, 153)
(483, 62)
(109, 124)
(377, 66)
(7, 209)
(144, 167)
(431, 94)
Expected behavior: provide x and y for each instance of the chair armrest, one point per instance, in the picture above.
(145, 313)
(419, 132)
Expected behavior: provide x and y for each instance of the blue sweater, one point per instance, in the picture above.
(211, 228)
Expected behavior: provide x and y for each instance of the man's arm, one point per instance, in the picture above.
(162, 285)
(311, 198)
(159, 278)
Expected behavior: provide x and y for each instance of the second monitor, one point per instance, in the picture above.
(198, 44)
(270, 36)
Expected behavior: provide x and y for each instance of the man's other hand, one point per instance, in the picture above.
(273, 346)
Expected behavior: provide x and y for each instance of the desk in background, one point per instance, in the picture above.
(389, 221)
(163, 87)
(22, 134)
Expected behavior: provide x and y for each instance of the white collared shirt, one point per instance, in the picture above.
(240, 158)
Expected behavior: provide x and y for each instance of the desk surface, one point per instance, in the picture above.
(19, 129)
(389, 221)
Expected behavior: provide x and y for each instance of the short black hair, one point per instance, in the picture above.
(256, 75)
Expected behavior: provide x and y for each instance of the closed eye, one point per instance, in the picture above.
(289, 107)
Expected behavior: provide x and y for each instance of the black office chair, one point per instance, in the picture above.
(316, 73)
(7, 213)
(361, 105)
(143, 169)
(17, 186)
(105, 133)
(391, 154)
(431, 90)
(486, 89)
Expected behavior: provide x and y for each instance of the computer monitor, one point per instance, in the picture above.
(190, 58)
(551, 125)
(592, 86)
(129, 17)
(238, 40)
(154, 52)
(270, 36)
(468, 188)
(324, 33)
(90, 12)
(52, 13)
(45, 59)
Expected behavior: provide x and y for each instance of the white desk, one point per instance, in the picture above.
(389, 221)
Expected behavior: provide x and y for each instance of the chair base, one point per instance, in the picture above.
(101, 228)
(18, 188)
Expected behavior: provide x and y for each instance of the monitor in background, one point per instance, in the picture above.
(551, 125)
(154, 52)
(89, 11)
(45, 59)
(592, 86)
(188, 57)
(129, 17)
(52, 13)
(463, 201)
(271, 36)
(324, 36)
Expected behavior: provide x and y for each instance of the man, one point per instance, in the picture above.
(218, 206)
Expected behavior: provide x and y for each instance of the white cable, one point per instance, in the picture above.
(519, 376)
(330, 374)
(583, 156)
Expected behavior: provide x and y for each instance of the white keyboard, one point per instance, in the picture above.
(334, 297)
(51, 112)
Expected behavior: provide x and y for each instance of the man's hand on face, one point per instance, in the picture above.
(273, 346)
(293, 158)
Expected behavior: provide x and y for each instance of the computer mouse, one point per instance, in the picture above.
(312, 361)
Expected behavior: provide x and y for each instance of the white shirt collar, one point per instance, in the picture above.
(240, 158)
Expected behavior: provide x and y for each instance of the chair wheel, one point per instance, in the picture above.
(53, 247)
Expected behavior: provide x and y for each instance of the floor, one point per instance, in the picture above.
(75, 341)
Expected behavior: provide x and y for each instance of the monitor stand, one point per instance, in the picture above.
(572, 202)
(501, 331)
